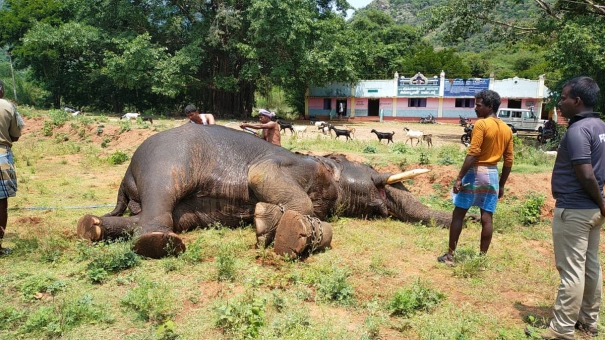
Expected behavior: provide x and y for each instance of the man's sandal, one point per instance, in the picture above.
(447, 259)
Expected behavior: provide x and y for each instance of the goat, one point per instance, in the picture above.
(299, 129)
(340, 132)
(384, 135)
(324, 129)
(130, 115)
(428, 139)
(318, 124)
(147, 119)
(351, 130)
(71, 111)
(412, 134)
(283, 126)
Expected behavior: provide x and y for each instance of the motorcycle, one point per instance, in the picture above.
(464, 121)
(430, 119)
(466, 137)
(547, 134)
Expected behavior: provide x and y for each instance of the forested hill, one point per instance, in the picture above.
(414, 13)
(404, 11)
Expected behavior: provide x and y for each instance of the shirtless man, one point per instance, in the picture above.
(198, 118)
(270, 128)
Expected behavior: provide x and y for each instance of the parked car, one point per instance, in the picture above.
(521, 119)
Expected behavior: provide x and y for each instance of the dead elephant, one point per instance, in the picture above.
(194, 175)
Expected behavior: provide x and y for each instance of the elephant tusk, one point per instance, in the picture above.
(405, 175)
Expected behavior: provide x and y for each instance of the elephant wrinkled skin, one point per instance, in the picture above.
(193, 175)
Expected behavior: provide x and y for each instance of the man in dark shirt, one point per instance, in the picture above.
(577, 186)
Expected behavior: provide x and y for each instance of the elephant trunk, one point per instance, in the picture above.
(403, 205)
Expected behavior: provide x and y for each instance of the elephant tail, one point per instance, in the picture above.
(122, 203)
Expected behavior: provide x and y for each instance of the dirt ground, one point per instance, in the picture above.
(442, 134)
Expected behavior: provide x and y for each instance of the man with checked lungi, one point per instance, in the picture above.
(10, 131)
(477, 183)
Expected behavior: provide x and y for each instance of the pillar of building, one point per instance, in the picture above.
(307, 103)
(441, 93)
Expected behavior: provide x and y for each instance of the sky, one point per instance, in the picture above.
(357, 4)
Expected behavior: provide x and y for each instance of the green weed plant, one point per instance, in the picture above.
(419, 297)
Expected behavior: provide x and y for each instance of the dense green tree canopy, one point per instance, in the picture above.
(160, 55)
(571, 33)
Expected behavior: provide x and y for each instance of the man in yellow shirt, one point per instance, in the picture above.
(477, 183)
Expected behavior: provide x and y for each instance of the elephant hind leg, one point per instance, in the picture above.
(95, 228)
(159, 244)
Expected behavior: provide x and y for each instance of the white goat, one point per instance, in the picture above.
(319, 123)
(325, 129)
(299, 129)
(412, 134)
(130, 115)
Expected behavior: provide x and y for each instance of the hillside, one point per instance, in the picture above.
(413, 12)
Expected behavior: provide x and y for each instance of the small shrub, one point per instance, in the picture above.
(225, 265)
(152, 301)
(117, 158)
(58, 117)
(369, 149)
(124, 126)
(532, 209)
(333, 286)
(399, 149)
(47, 129)
(53, 321)
(424, 159)
(469, 263)
(242, 319)
(110, 259)
(10, 317)
(40, 284)
(418, 297)
(105, 142)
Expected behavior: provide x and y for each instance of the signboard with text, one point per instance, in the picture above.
(413, 90)
(465, 87)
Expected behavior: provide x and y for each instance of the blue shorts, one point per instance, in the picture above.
(8, 175)
(480, 187)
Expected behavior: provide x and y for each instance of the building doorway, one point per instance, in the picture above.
(341, 108)
(514, 103)
(373, 107)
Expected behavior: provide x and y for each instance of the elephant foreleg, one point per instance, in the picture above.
(266, 218)
(300, 235)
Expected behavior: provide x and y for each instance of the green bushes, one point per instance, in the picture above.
(152, 301)
(108, 259)
(117, 158)
(418, 297)
(241, 318)
(53, 321)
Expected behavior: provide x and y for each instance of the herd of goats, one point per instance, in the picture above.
(349, 132)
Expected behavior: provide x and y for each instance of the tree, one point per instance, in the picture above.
(571, 32)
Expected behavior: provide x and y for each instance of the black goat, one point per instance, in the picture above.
(384, 135)
(283, 126)
(340, 132)
(148, 119)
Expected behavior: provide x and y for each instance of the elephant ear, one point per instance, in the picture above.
(380, 180)
(332, 166)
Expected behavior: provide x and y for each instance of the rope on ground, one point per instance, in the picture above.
(68, 207)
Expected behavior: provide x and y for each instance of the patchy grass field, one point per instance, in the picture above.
(380, 280)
